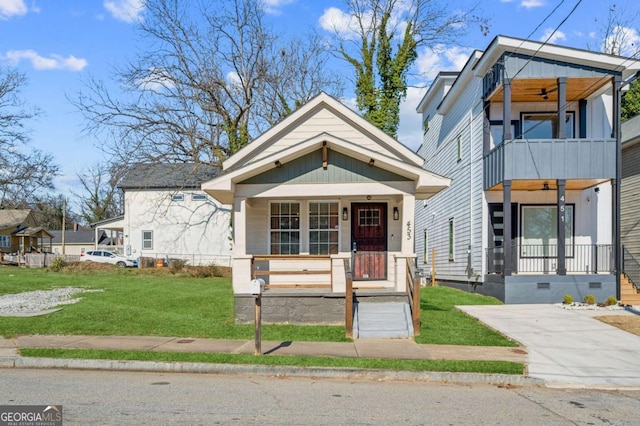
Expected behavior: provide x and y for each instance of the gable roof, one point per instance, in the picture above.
(166, 175)
(321, 102)
(10, 218)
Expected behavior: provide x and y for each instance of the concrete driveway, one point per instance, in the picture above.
(568, 348)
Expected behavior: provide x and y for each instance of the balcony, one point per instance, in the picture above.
(538, 159)
(539, 259)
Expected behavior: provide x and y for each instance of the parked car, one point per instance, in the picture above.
(103, 256)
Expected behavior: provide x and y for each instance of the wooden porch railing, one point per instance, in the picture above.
(348, 301)
(302, 271)
(413, 293)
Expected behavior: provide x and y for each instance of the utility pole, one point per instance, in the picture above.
(64, 221)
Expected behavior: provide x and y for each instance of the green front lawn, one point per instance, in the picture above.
(158, 303)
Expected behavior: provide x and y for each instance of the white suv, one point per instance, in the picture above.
(108, 257)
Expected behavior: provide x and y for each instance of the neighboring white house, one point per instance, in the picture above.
(321, 188)
(493, 128)
(168, 216)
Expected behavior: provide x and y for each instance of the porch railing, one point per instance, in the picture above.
(631, 268)
(543, 258)
(348, 301)
(413, 294)
(293, 271)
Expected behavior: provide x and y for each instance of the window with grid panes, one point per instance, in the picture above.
(284, 232)
(323, 228)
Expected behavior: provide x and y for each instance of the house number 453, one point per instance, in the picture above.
(408, 230)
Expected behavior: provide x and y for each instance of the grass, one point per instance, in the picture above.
(159, 303)
(489, 367)
(139, 303)
(443, 324)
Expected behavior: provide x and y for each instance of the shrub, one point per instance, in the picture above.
(589, 299)
(610, 301)
(177, 265)
(568, 299)
(58, 263)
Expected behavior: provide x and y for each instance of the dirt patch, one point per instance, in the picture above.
(629, 323)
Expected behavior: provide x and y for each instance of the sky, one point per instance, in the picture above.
(59, 44)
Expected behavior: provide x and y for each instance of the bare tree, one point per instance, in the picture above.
(381, 44)
(100, 199)
(617, 33)
(214, 76)
(24, 171)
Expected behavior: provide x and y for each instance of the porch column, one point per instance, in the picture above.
(617, 252)
(239, 226)
(562, 269)
(408, 227)
(506, 208)
(562, 108)
(506, 110)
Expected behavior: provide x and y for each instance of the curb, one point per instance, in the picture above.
(278, 371)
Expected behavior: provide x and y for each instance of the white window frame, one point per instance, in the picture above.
(149, 240)
(331, 218)
(5, 241)
(289, 230)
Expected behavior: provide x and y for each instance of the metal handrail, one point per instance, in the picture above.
(631, 268)
(532, 258)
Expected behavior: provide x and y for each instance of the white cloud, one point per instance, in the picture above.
(441, 58)
(529, 4)
(273, 6)
(554, 38)
(54, 62)
(335, 20)
(156, 81)
(9, 8)
(125, 10)
(626, 41)
(410, 128)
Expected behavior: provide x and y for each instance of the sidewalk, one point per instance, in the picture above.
(360, 348)
(364, 348)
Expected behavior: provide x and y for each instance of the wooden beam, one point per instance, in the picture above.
(325, 160)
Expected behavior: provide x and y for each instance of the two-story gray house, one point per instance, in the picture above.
(525, 130)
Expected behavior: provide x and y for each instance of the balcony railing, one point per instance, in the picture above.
(550, 159)
(543, 259)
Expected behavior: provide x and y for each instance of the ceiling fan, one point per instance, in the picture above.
(544, 93)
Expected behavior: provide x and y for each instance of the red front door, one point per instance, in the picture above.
(369, 241)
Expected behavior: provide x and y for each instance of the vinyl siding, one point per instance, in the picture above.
(463, 200)
(630, 200)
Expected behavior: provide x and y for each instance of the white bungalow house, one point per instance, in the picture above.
(524, 130)
(168, 216)
(321, 190)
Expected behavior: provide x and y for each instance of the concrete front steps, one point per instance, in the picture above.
(382, 320)
(629, 295)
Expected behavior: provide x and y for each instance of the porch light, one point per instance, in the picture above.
(345, 213)
(396, 213)
(545, 187)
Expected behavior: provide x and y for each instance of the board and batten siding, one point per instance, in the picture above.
(463, 200)
(630, 200)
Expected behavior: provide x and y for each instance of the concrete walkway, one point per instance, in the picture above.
(568, 348)
(359, 348)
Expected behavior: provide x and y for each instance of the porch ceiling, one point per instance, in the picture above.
(538, 184)
(531, 89)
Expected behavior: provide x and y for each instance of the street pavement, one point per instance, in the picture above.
(560, 348)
